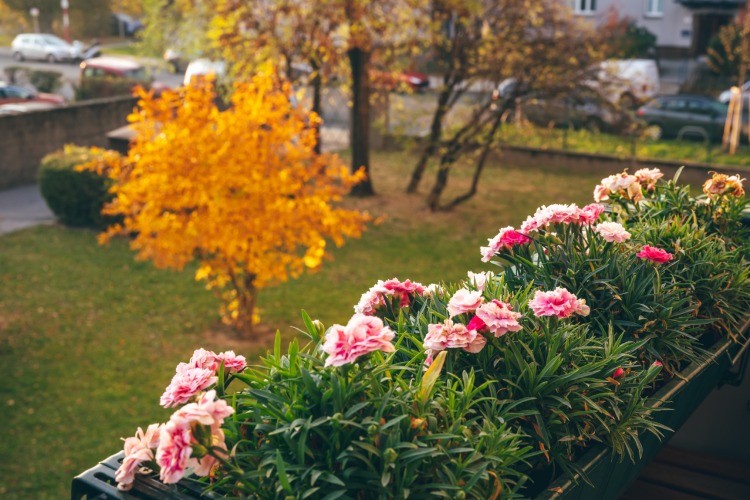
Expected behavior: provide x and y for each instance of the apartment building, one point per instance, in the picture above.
(682, 27)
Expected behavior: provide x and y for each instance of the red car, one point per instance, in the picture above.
(413, 80)
(108, 76)
(10, 94)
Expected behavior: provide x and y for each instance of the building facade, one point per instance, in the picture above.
(682, 27)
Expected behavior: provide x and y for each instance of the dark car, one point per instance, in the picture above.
(578, 108)
(685, 117)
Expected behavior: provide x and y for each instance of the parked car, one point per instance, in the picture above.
(24, 107)
(201, 67)
(43, 47)
(685, 116)
(727, 94)
(579, 108)
(107, 76)
(413, 80)
(125, 25)
(14, 94)
(627, 82)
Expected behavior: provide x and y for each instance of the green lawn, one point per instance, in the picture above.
(89, 338)
(625, 147)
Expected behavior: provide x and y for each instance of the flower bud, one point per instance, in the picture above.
(390, 455)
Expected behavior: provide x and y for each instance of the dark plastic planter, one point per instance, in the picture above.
(610, 478)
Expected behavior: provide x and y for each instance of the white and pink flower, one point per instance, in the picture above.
(612, 232)
(591, 212)
(499, 317)
(382, 291)
(175, 449)
(464, 301)
(647, 177)
(362, 335)
(558, 302)
(480, 280)
(505, 239)
(450, 335)
(138, 450)
(186, 383)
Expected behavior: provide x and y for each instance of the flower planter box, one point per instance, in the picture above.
(609, 478)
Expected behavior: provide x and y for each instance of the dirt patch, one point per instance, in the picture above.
(223, 338)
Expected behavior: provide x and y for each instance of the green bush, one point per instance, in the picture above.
(42, 80)
(76, 198)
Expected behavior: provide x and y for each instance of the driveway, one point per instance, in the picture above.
(23, 207)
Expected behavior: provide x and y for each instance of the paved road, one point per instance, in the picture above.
(71, 72)
(23, 207)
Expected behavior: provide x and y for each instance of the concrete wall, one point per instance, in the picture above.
(26, 138)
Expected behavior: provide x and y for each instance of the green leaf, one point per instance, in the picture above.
(281, 469)
(430, 377)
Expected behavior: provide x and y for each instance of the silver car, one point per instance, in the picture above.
(44, 47)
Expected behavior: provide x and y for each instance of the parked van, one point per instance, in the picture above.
(629, 82)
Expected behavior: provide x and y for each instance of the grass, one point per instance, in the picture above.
(89, 338)
(588, 142)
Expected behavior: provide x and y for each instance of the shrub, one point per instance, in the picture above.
(42, 80)
(75, 197)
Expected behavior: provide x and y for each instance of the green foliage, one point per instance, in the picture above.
(95, 87)
(310, 432)
(725, 51)
(75, 197)
(626, 40)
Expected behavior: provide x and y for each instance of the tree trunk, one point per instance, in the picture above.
(247, 295)
(317, 104)
(441, 180)
(359, 61)
(489, 141)
(436, 132)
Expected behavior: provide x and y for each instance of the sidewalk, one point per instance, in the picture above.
(23, 207)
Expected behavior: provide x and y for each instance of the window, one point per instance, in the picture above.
(585, 7)
(654, 7)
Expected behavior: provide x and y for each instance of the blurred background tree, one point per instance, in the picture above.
(626, 40)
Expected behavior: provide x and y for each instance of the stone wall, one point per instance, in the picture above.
(27, 137)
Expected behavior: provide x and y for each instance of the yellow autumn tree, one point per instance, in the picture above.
(241, 191)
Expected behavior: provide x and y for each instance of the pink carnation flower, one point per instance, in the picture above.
(202, 358)
(362, 335)
(138, 450)
(553, 214)
(654, 254)
(232, 362)
(464, 301)
(612, 232)
(647, 177)
(376, 296)
(207, 411)
(186, 383)
(591, 212)
(451, 335)
(601, 193)
(174, 450)
(499, 317)
(506, 239)
(558, 302)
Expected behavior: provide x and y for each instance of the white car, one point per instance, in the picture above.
(727, 94)
(202, 67)
(43, 47)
